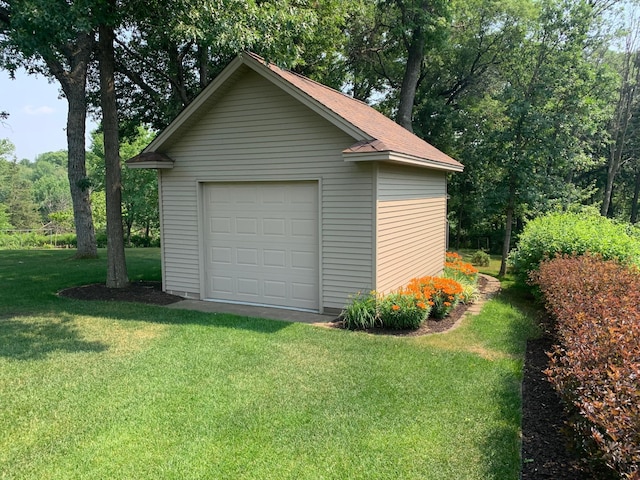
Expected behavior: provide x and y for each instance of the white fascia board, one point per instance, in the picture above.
(150, 165)
(400, 158)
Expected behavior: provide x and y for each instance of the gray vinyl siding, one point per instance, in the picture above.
(410, 224)
(258, 132)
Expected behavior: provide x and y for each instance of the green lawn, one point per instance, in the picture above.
(114, 390)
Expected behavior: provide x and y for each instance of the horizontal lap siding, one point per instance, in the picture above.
(257, 132)
(411, 225)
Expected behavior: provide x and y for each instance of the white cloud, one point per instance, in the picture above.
(43, 110)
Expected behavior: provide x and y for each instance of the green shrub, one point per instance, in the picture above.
(555, 234)
(480, 258)
(361, 313)
(141, 241)
(456, 269)
(469, 293)
(442, 294)
(596, 365)
(402, 311)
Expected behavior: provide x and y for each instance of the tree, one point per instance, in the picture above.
(50, 183)
(417, 23)
(116, 264)
(165, 61)
(626, 107)
(56, 39)
(549, 108)
(139, 186)
(16, 198)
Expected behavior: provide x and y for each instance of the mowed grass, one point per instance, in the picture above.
(116, 390)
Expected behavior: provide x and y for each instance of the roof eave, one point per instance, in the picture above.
(400, 158)
(151, 165)
(150, 160)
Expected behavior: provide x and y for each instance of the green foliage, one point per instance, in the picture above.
(596, 365)
(361, 312)
(139, 188)
(480, 258)
(5, 223)
(402, 311)
(573, 233)
(407, 307)
(30, 240)
(16, 195)
(50, 183)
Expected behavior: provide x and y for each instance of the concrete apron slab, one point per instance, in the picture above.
(253, 311)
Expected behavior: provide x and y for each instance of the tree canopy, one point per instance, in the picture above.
(537, 98)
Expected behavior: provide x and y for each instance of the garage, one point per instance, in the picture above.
(276, 190)
(261, 243)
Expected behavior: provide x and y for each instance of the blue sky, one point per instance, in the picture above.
(37, 115)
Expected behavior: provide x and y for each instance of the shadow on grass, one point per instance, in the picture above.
(168, 316)
(522, 325)
(35, 340)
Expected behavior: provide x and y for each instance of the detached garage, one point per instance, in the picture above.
(276, 190)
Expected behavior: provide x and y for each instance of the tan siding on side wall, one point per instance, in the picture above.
(411, 223)
(257, 132)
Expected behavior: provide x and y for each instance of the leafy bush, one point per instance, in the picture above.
(596, 365)
(442, 294)
(361, 312)
(25, 240)
(469, 293)
(142, 241)
(481, 259)
(573, 234)
(456, 269)
(402, 310)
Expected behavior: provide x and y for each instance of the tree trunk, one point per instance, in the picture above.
(506, 245)
(116, 264)
(636, 199)
(74, 85)
(410, 79)
(203, 65)
(612, 170)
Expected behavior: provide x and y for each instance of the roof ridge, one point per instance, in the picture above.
(272, 65)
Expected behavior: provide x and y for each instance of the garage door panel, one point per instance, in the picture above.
(222, 284)
(262, 243)
(274, 226)
(246, 226)
(303, 260)
(247, 256)
(219, 225)
(274, 258)
(221, 255)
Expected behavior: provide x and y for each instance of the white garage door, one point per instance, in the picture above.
(262, 243)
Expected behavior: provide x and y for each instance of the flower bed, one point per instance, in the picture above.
(408, 307)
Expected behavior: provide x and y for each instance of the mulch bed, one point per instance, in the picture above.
(546, 452)
(139, 292)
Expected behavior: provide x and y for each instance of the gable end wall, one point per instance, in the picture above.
(257, 132)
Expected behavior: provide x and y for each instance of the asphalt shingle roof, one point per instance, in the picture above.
(385, 134)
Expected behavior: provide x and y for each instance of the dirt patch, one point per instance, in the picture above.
(140, 292)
